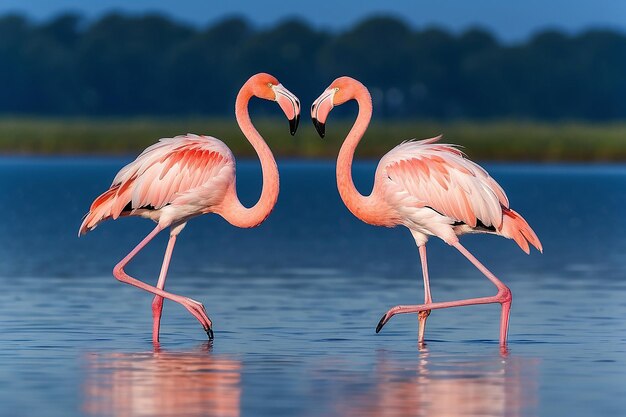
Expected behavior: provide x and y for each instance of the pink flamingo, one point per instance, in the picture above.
(186, 176)
(432, 189)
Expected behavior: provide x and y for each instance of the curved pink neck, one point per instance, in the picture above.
(233, 211)
(366, 208)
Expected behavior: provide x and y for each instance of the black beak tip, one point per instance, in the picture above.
(209, 332)
(320, 127)
(293, 124)
(381, 323)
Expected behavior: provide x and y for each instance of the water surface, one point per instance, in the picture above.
(295, 303)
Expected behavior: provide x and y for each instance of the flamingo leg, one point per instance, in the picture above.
(503, 297)
(157, 302)
(194, 307)
(423, 315)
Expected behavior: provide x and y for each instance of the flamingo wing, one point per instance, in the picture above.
(430, 174)
(174, 170)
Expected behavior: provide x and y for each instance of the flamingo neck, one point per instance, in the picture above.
(366, 208)
(233, 211)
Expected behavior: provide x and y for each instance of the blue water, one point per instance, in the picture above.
(295, 303)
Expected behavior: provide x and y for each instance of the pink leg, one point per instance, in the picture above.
(157, 302)
(194, 307)
(503, 297)
(423, 315)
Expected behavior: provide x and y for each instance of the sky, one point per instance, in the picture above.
(511, 21)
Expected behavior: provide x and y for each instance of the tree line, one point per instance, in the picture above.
(152, 65)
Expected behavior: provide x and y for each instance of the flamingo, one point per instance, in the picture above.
(431, 188)
(179, 178)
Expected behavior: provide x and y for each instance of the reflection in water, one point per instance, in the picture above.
(488, 386)
(162, 384)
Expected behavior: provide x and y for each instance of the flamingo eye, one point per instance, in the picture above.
(270, 85)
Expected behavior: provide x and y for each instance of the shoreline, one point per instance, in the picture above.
(498, 141)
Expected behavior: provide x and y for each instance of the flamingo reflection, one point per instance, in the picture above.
(162, 384)
(483, 387)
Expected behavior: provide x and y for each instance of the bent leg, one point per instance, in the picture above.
(194, 307)
(503, 297)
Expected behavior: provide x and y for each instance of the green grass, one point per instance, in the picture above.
(500, 140)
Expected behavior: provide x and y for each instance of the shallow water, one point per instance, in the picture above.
(295, 303)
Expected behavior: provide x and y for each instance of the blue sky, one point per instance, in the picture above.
(510, 20)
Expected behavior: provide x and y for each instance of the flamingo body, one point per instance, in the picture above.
(170, 182)
(435, 190)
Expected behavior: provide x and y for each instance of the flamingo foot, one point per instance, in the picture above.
(199, 312)
(403, 310)
(195, 308)
(381, 323)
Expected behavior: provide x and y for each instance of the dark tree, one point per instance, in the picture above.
(136, 65)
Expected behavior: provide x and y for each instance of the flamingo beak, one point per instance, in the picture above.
(320, 110)
(320, 127)
(290, 105)
(293, 125)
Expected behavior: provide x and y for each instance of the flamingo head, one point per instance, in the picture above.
(339, 91)
(267, 87)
